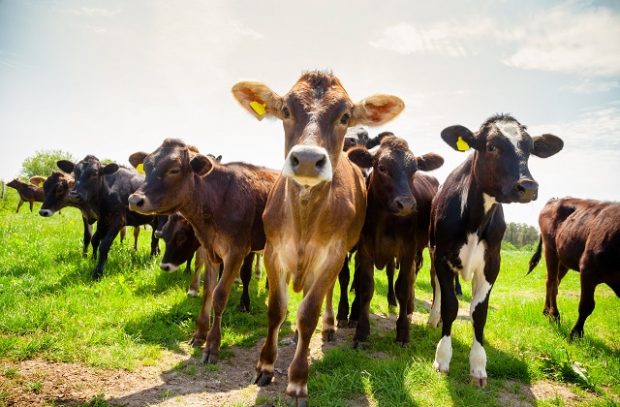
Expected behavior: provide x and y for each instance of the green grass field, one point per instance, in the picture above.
(51, 310)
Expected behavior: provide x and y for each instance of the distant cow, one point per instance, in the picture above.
(224, 204)
(103, 191)
(182, 243)
(27, 193)
(316, 208)
(582, 235)
(467, 222)
(396, 225)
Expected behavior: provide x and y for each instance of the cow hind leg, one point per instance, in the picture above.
(329, 331)
(246, 275)
(136, 235)
(204, 316)
(19, 205)
(586, 302)
(344, 278)
(404, 293)
(391, 296)
(552, 283)
(363, 295)
(481, 289)
(104, 249)
(31, 203)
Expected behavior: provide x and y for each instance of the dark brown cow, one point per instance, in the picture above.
(224, 204)
(27, 193)
(467, 223)
(396, 226)
(582, 235)
(315, 211)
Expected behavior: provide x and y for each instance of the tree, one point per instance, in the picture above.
(521, 234)
(43, 162)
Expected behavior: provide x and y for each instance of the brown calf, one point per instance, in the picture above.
(396, 226)
(224, 204)
(582, 235)
(316, 209)
(27, 193)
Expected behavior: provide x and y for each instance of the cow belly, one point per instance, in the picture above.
(471, 256)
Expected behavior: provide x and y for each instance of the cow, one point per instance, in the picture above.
(223, 203)
(396, 225)
(181, 244)
(467, 222)
(582, 235)
(103, 191)
(27, 193)
(315, 211)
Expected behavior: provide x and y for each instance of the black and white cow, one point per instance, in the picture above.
(467, 222)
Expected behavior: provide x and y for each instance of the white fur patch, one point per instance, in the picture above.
(472, 256)
(294, 389)
(46, 212)
(192, 293)
(266, 367)
(477, 361)
(480, 290)
(169, 267)
(511, 131)
(325, 174)
(488, 202)
(464, 194)
(443, 354)
(435, 314)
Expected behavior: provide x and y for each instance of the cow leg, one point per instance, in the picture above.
(329, 330)
(344, 278)
(199, 264)
(389, 270)
(449, 310)
(276, 312)
(96, 240)
(404, 293)
(30, 203)
(123, 232)
(307, 320)
(204, 316)
(355, 305)
(246, 276)
(257, 268)
(482, 283)
(435, 314)
(88, 234)
(154, 240)
(586, 301)
(552, 283)
(457, 285)
(364, 292)
(136, 235)
(19, 205)
(232, 265)
(104, 248)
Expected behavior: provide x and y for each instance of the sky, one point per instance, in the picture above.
(110, 78)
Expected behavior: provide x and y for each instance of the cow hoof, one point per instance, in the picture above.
(329, 335)
(352, 323)
(297, 402)
(244, 308)
(192, 293)
(342, 323)
(197, 341)
(262, 379)
(575, 334)
(439, 368)
(479, 382)
(402, 343)
(433, 322)
(208, 357)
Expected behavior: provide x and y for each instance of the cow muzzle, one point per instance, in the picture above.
(526, 190)
(46, 212)
(169, 267)
(403, 205)
(138, 203)
(308, 165)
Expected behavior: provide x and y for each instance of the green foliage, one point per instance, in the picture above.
(43, 163)
(521, 234)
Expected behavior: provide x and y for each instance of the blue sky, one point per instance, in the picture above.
(110, 78)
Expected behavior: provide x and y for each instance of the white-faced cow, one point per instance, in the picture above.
(223, 203)
(396, 226)
(467, 222)
(582, 235)
(316, 209)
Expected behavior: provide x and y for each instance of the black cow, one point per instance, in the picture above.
(467, 222)
(104, 191)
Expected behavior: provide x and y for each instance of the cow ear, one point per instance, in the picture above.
(110, 169)
(65, 166)
(218, 158)
(37, 180)
(547, 145)
(459, 137)
(258, 99)
(360, 157)
(201, 165)
(137, 158)
(429, 162)
(376, 110)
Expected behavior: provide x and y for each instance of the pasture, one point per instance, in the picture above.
(65, 340)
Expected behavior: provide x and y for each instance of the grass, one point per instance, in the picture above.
(50, 309)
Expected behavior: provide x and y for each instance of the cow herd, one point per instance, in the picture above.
(341, 194)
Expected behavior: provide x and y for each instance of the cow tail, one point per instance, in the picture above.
(536, 257)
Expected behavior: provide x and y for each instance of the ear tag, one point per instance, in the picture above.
(140, 168)
(259, 108)
(461, 144)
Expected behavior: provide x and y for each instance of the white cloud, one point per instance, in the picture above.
(588, 86)
(96, 11)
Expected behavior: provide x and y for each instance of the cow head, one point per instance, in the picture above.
(502, 149)
(393, 169)
(14, 183)
(181, 242)
(89, 174)
(316, 114)
(56, 189)
(169, 177)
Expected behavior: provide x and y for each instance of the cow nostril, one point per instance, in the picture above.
(520, 189)
(294, 161)
(399, 205)
(165, 267)
(321, 163)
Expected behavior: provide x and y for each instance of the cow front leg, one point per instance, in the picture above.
(19, 205)
(404, 293)
(154, 240)
(449, 310)
(391, 296)
(199, 264)
(136, 235)
(276, 313)
(88, 234)
(96, 239)
(104, 248)
(344, 278)
(31, 203)
(232, 265)
(435, 314)
(204, 316)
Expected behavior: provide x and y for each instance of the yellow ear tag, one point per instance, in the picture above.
(461, 144)
(259, 108)
(140, 168)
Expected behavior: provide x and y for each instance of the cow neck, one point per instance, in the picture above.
(478, 216)
(306, 203)
(207, 197)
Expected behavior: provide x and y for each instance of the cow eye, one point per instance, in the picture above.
(491, 148)
(174, 171)
(285, 112)
(382, 168)
(345, 118)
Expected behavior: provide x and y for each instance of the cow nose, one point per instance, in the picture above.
(527, 190)
(404, 204)
(308, 165)
(168, 267)
(157, 234)
(45, 212)
(73, 194)
(307, 162)
(136, 201)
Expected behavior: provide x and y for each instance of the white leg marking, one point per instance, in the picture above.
(477, 361)
(443, 355)
(296, 390)
(192, 293)
(435, 314)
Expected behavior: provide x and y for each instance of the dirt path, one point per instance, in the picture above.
(181, 380)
